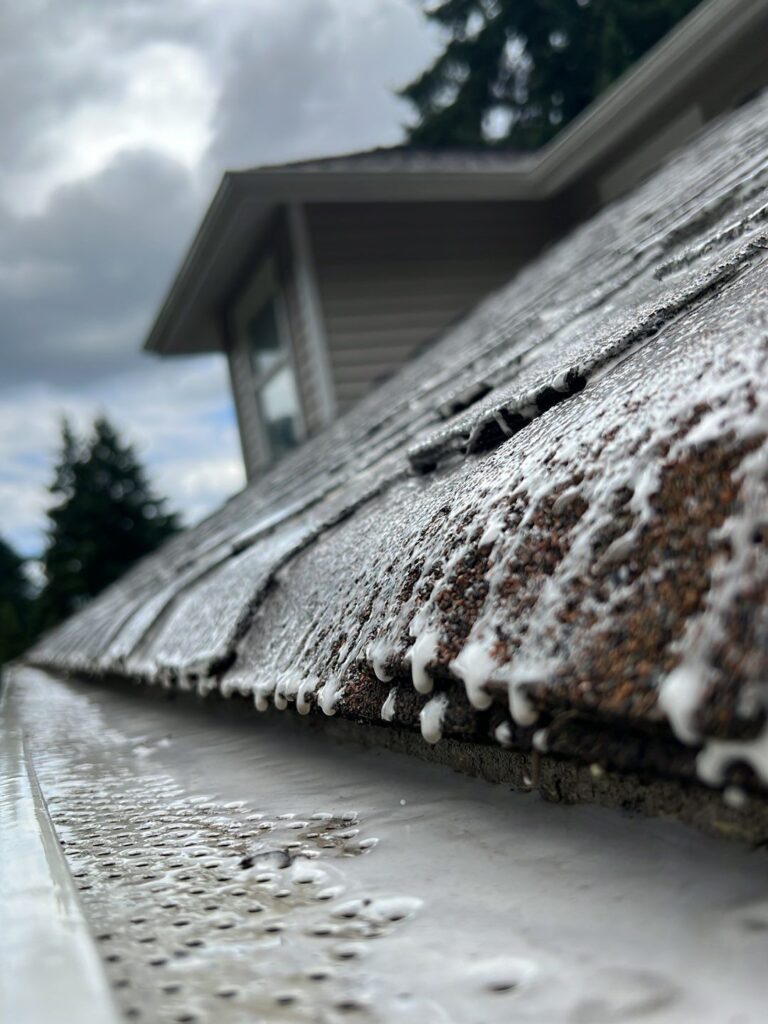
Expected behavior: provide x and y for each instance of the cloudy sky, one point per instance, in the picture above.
(118, 118)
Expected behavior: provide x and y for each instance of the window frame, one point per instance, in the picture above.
(264, 288)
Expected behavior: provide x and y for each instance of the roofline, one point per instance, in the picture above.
(210, 226)
(664, 70)
(681, 55)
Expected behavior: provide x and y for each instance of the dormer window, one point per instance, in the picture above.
(262, 333)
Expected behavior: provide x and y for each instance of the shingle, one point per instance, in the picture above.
(409, 159)
(557, 516)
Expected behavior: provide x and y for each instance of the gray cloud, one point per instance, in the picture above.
(78, 281)
(85, 256)
(318, 80)
(57, 54)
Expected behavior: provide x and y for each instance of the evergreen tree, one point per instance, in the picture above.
(105, 518)
(15, 604)
(514, 72)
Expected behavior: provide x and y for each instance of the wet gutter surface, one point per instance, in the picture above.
(49, 969)
(246, 870)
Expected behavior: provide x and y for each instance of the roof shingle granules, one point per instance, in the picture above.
(557, 516)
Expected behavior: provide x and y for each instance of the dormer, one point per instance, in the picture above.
(319, 279)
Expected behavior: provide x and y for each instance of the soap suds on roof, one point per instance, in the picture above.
(558, 509)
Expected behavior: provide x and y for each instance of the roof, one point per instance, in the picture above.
(405, 158)
(713, 44)
(549, 530)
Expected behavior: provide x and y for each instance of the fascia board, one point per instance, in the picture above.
(204, 240)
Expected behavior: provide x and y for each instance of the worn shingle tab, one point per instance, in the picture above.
(556, 517)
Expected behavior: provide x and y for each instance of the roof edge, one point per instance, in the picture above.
(677, 59)
(209, 229)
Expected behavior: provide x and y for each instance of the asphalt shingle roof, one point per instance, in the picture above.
(386, 159)
(549, 529)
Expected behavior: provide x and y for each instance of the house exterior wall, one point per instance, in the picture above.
(392, 276)
(388, 279)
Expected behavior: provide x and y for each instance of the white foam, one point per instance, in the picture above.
(431, 718)
(503, 734)
(379, 654)
(328, 696)
(421, 654)
(520, 676)
(679, 697)
(388, 707)
(717, 756)
(474, 666)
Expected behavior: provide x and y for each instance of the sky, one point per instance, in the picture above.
(119, 117)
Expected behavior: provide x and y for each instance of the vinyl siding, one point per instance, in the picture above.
(393, 276)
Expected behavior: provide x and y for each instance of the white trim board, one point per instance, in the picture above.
(49, 967)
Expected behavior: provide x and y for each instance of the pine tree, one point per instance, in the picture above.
(514, 72)
(15, 604)
(105, 518)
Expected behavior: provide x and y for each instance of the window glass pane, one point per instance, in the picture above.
(280, 410)
(263, 339)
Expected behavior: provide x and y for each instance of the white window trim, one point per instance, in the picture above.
(263, 288)
(309, 299)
